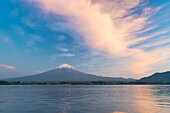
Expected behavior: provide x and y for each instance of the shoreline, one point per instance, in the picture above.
(81, 83)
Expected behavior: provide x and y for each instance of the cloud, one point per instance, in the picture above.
(39, 71)
(67, 55)
(28, 22)
(55, 56)
(7, 66)
(159, 42)
(111, 26)
(6, 39)
(33, 39)
(14, 13)
(63, 49)
(61, 37)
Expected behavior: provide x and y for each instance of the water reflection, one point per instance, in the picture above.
(152, 99)
(144, 100)
(85, 99)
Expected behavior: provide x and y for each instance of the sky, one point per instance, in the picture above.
(111, 38)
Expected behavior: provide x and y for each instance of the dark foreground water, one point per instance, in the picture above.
(85, 99)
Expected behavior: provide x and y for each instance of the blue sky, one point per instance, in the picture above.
(38, 36)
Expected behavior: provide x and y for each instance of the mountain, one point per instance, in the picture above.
(157, 78)
(64, 72)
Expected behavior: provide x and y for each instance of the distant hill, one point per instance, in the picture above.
(163, 77)
(65, 72)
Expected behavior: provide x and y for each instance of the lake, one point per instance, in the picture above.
(85, 99)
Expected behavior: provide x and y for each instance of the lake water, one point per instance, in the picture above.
(85, 99)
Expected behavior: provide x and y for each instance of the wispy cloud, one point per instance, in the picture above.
(67, 55)
(162, 41)
(63, 49)
(28, 22)
(14, 13)
(55, 56)
(6, 39)
(7, 66)
(111, 26)
(34, 39)
(61, 37)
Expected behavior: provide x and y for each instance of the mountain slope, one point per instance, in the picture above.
(64, 72)
(157, 78)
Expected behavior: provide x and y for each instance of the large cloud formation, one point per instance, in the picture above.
(113, 27)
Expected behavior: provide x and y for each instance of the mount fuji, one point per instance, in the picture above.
(62, 73)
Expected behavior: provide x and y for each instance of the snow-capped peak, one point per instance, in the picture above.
(65, 66)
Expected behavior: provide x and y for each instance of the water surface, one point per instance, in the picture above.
(85, 99)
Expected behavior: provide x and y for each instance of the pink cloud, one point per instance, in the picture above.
(7, 39)
(40, 71)
(8, 67)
